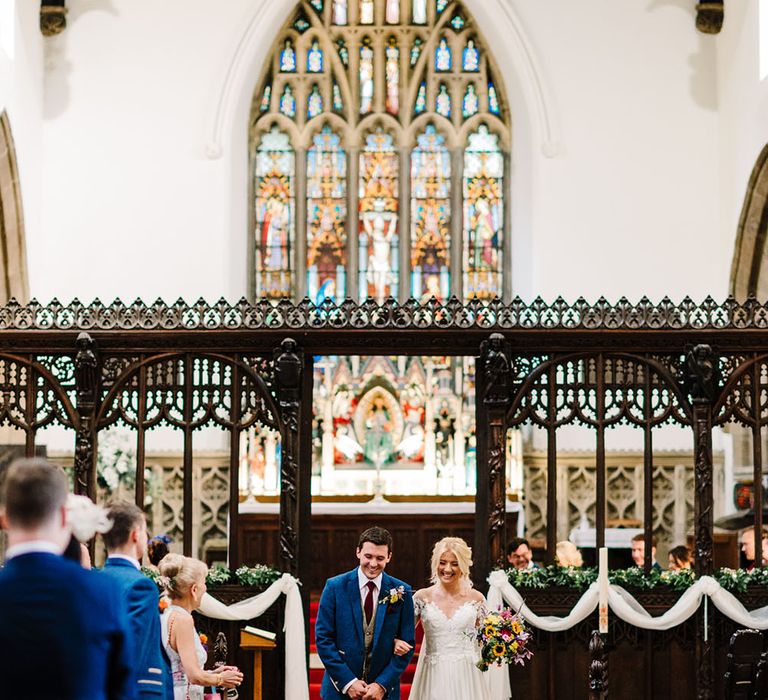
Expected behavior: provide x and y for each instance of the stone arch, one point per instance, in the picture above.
(14, 282)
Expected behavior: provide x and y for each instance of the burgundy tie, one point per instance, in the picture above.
(368, 604)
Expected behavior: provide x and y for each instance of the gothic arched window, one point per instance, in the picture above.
(379, 153)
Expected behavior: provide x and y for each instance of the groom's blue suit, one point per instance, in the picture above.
(339, 636)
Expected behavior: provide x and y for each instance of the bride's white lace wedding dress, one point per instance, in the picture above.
(446, 668)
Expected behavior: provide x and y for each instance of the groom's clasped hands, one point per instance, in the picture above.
(360, 690)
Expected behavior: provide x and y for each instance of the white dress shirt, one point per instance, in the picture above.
(32, 547)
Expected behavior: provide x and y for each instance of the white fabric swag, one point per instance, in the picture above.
(296, 682)
(626, 607)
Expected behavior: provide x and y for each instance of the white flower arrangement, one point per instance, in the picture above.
(116, 462)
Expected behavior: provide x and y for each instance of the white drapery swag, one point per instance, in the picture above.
(626, 607)
(296, 682)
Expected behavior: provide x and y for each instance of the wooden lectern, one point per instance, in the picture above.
(256, 644)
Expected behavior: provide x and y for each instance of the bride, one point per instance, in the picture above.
(449, 611)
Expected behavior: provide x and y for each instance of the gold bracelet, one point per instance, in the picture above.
(219, 679)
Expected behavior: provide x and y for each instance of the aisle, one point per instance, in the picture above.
(316, 667)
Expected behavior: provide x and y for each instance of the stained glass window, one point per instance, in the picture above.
(470, 103)
(366, 11)
(318, 5)
(421, 99)
(393, 76)
(288, 58)
(443, 59)
(274, 215)
(366, 77)
(341, 47)
(443, 102)
(419, 8)
(301, 24)
(378, 222)
(266, 99)
(340, 12)
(338, 104)
(314, 102)
(440, 5)
(315, 58)
(416, 50)
(288, 102)
(483, 215)
(458, 22)
(326, 218)
(470, 58)
(430, 215)
(493, 99)
(392, 15)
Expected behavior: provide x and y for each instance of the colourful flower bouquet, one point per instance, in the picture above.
(503, 639)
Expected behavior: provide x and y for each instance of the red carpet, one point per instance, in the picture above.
(316, 674)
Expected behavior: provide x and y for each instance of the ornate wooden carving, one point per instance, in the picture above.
(288, 370)
(86, 379)
(53, 17)
(598, 667)
(709, 16)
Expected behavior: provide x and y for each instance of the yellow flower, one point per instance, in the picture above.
(499, 650)
(513, 647)
(490, 630)
(516, 628)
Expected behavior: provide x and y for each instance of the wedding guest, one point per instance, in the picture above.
(77, 552)
(680, 558)
(520, 555)
(568, 554)
(183, 579)
(748, 547)
(157, 548)
(86, 520)
(126, 541)
(638, 552)
(63, 629)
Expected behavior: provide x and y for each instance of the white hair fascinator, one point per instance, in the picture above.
(86, 518)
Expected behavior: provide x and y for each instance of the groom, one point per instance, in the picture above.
(361, 614)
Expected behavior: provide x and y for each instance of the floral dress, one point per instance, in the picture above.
(446, 668)
(182, 689)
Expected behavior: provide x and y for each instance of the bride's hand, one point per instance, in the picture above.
(401, 647)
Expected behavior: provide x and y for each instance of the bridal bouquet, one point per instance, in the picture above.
(503, 639)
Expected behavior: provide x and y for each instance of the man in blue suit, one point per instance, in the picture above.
(361, 614)
(63, 629)
(126, 542)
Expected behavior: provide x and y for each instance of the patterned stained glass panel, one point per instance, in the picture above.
(314, 103)
(493, 99)
(318, 5)
(378, 231)
(470, 58)
(430, 215)
(288, 58)
(341, 47)
(392, 14)
(288, 102)
(483, 194)
(366, 77)
(419, 11)
(274, 216)
(326, 218)
(416, 50)
(338, 103)
(301, 24)
(440, 5)
(366, 12)
(421, 100)
(315, 58)
(392, 74)
(443, 59)
(458, 22)
(470, 103)
(443, 102)
(339, 14)
(266, 99)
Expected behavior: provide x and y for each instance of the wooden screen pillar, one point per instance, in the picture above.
(87, 370)
(701, 381)
(492, 400)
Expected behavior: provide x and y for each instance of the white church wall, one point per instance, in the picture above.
(613, 188)
(21, 96)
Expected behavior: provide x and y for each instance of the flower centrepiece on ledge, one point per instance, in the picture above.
(503, 639)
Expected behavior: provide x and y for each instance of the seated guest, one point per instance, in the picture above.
(126, 541)
(157, 548)
(184, 581)
(568, 554)
(638, 552)
(520, 555)
(748, 547)
(680, 558)
(63, 631)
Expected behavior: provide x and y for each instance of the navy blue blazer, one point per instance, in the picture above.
(63, 631)
(153, 675)
(339, 636)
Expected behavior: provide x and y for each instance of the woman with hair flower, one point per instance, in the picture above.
(183, 579)
(450, 611)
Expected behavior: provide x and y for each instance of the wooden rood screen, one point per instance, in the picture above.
(240, 365)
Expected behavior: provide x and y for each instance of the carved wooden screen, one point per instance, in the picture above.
(379, 152)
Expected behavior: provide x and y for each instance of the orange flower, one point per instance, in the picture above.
(203, 639)
(163, 604)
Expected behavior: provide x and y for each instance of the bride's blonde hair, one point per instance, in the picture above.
(458, 547)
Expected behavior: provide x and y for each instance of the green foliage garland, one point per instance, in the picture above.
(219, 575)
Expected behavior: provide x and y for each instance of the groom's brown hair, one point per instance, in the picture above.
(376, 535)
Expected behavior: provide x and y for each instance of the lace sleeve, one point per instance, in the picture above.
(418, 606)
